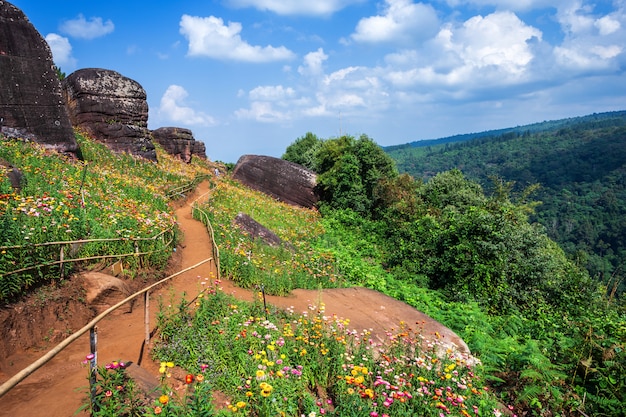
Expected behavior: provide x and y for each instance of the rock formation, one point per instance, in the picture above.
(179, 142)
(15, 176)
(31, 103)
(256, 230)
(283, 180)
(103, 291)
(110, 108)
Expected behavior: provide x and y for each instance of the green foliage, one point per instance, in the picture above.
(350, 172)
(60, 74)
(105, 196)
(285, 363)
(580, 165)
(296, 263)
(303, 150)
(115, 394)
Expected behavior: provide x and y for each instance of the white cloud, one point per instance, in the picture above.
(499, 39)
(402, 21)
(313, 63)
(271, 93)
(296, 7)
(492, 50)
(607, 25)
(61, 51)
(87, 29)
(592, 42)
(262, 111)
(210, 37)
(174, 109)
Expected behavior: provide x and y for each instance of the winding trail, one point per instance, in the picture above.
(52, 390)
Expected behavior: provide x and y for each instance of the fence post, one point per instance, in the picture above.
(61, 262)
(93, 367)
(146, 316)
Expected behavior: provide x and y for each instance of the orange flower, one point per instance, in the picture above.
(157, 410)
(164, 399)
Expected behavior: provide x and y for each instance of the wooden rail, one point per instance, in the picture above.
(20, 376)
(91, 326)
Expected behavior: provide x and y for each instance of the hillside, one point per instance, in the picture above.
(580, 165)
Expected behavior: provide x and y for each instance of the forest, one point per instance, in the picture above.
(576, 168)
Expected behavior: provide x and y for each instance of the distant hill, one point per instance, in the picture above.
(580, 164)
(597, 118)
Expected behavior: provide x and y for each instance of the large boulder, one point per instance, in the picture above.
(283, 180)
(31, 103)
(256, 230)
(110, 108)
(179, 142)
(104, 291)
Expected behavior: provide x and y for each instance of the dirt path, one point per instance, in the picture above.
(52, 390)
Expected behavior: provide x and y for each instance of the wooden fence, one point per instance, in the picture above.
(198, 214)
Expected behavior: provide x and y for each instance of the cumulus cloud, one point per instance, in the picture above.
(173, 108)
(313, 63)
(61, 50)
(262, 111)
(401, 21)
(607, 25)
(592, 41)
(86, 29)
(296, 7)
(272, 93)
(210, 37)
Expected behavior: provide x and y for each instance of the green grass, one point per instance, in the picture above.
(297, 263)
(105, 196)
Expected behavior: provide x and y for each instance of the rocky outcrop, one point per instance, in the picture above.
(104, 291)
(199, 148)
(15, 176)
(256, 230)
(179, 142)
(31, 103)
(283, 180)
(110, 108)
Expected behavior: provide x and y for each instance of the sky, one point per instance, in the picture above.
(252, 76)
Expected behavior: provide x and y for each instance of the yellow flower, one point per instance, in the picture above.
(170, 364)
(240, 404)
(266, 389)
(199, 377)
(260, 375)
(164, 399)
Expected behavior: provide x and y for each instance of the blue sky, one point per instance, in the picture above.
(251, 76)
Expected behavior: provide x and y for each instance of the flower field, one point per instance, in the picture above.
(116, 201)
(299, 263)
(286, 363)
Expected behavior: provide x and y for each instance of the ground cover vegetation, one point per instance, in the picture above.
(550, 341)
(579, 165)
(116, 203)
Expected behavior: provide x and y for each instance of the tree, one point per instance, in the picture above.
(349, 172)
(302, 151)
